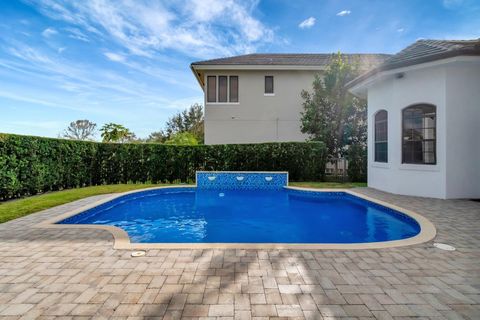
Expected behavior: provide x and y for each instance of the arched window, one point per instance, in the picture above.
(419, 134)
(381, 136)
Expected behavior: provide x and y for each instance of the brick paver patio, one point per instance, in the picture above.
(75, 273)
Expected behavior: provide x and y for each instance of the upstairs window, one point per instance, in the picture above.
(211, 89)
(381, 136)
(269, 85)
(233, 88)
(222, 89)
(419, 134)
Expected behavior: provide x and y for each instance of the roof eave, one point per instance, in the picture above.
(359, 85)
(197, 76)
(359, 91)
(257, 67)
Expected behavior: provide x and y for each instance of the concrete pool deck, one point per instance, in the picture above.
(76, 273)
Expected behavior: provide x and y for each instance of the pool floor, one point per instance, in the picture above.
(189, 215)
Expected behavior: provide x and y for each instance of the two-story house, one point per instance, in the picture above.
(256, 97)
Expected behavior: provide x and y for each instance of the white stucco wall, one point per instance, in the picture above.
(454, 89)
(463, 130)
(259, 118)
(424, 86)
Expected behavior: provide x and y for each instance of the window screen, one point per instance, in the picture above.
(268, 84)
(222, 89)
(233, 88)
(211, 89)
(381, 136)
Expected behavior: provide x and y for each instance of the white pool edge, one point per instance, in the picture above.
(122, 240)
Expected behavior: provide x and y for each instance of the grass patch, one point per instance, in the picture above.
(328, 185)
(13, 209)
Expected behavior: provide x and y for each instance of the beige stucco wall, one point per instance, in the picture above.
(257, 117)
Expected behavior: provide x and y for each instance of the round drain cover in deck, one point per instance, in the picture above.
(444, 246)
(138, 253)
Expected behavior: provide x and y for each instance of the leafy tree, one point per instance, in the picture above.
(189, 120)
(112, 132)
(80, 130)
(357, 162)
(356, 141)
(332, 115)
(182, 138)
(157, 137)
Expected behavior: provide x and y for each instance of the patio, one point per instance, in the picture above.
(76, 273)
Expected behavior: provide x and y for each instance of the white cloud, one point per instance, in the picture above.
(115, 57)
(344, 13)
(29, 54)
(34, 63)
(72, 85)
(400, 30)
(307, 23)
(24, 98)
(450, 4)
(49, 32)
(75, 33)
(208, 10)
(200, 28)
(61, 49)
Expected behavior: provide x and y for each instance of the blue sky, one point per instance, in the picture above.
(127, 61)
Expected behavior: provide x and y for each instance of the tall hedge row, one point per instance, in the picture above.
(31, 165)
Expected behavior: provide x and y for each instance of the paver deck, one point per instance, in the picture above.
(76, 273)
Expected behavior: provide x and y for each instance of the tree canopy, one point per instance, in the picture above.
(113, 132)
(189, 120)
(157, 137)
(182, 138)
(80, 130)
(333, 115)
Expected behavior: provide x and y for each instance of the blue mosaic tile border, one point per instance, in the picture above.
(225, 180)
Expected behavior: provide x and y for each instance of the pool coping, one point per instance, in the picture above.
(122, 240)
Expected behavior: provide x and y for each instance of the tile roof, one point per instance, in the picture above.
(424, 51)
(300, 59)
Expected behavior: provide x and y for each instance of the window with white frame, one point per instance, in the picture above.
(419, 134)
(381, 136)
(269, 85)
(222, 89)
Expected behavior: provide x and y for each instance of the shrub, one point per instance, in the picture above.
(31, 165)
(182, 138)
(357, 163)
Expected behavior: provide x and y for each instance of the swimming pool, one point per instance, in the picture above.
(288, 216)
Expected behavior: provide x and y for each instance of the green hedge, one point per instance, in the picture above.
(31, 165)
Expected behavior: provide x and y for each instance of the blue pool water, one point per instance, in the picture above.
(189, 215)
